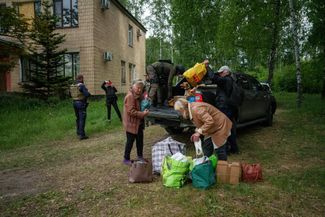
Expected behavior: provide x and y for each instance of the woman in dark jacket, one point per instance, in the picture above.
(111, 99)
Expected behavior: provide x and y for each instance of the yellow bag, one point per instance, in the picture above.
(195, 74)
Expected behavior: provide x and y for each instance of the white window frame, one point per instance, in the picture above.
(130, 36)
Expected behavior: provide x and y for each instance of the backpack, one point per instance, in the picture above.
(237, 93)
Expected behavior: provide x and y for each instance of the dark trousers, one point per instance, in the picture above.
(109, 104)
(130, 137)
(208, 150)
(232, 139)
(80, 110)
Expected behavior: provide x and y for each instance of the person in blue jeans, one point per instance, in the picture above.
(80, 94)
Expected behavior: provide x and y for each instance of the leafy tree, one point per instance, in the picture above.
(316, 38)
(194, 30)
(47, 59)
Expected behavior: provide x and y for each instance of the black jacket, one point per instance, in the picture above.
(223, 91)
(110, 91)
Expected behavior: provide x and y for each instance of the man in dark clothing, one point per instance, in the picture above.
(160, 75)
(224, 81)
(111, 99)
(80, 94)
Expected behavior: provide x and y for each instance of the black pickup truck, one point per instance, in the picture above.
(258, 106)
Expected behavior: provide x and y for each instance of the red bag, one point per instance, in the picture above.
(251, 172)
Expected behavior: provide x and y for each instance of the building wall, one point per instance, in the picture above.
(111, 34)
(99, 31)
(80, 39)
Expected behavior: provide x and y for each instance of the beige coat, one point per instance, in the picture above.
(132, 116)
(210, 122)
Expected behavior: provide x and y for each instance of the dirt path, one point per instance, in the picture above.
(70, 164)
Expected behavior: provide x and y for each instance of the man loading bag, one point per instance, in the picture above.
(161, 74)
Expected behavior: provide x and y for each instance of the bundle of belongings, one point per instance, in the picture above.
(169, 159)
(190, 83)
(163, 148)
(178, 168)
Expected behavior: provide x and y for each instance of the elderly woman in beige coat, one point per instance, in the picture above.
(209, 122)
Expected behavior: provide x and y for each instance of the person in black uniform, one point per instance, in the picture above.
(111, 99)
(224, 81)
(80, 94)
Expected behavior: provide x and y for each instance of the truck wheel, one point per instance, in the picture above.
(269, 117)
(174, 130)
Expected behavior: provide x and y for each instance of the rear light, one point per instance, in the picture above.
(198, 97)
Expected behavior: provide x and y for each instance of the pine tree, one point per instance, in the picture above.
(46, 58)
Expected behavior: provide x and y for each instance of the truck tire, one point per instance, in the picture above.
(174, 130)
(269, 117)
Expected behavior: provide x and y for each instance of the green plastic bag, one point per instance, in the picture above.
(214, 161)
(203, 175)
(174, 172)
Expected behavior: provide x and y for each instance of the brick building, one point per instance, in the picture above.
(103, 41)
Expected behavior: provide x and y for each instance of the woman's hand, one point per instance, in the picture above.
(195, 137)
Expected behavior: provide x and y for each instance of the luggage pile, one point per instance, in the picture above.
(176, 169)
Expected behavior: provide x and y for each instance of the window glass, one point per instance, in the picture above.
(74, 13)
(37, 7)
(123, 73)
(58, 12)
(76, 64)
(71, 67)
(68, 65)
(130, 36)
(132, 75)
(25, 71)
(66, 13)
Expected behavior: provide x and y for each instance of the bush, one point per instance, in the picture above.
(311, 72)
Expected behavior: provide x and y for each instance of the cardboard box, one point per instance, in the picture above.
(228, 173)
(222, 172)
(235, 173)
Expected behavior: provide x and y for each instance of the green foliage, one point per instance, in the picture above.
(46, 78)
(194, 30)
(12, 23)
(157, 50)
(285, 78)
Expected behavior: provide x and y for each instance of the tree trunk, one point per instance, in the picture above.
(297, 55)
(323, 91)
(274, 41)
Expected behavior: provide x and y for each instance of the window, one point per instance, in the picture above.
(130, 36)
(123, 73)
(25, 69)
(132, 74)
(37, 7)
(71, 68)
(66, 12)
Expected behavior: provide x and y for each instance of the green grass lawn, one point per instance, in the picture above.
(28, 121)
(67, 177)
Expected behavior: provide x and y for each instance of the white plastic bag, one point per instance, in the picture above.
(198, 148)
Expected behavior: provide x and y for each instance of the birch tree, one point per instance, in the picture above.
(294, 27)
